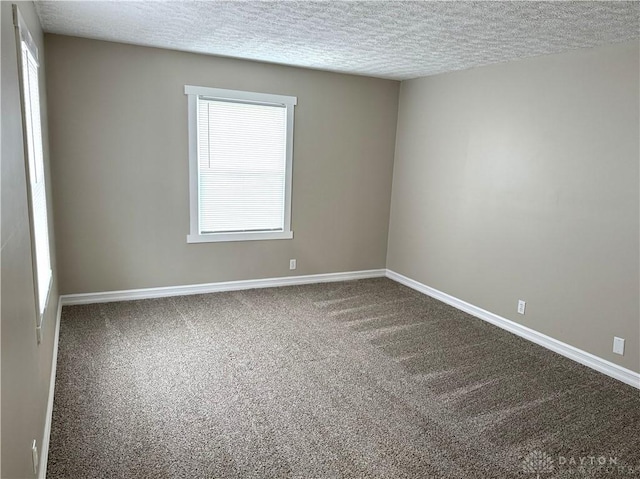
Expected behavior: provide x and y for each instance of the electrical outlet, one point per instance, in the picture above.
(618, 345)
(521, 306)
(34, 456)
(292, 264)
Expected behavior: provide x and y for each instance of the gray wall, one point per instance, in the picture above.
(520, 181)
(26, 367)
(118, 118)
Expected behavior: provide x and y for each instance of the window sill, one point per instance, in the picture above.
(225, 237)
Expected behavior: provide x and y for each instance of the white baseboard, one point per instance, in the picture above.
(146, 293)
(610, 369)
(44, 450)
(602, 365)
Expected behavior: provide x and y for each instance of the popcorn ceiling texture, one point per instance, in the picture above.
(398, 40)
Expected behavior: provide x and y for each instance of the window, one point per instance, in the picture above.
(240, 161)
(28, 68)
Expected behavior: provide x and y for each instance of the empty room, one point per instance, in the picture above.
(323, 239)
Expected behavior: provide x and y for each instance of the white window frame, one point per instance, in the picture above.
(42, 276)
(289, 102)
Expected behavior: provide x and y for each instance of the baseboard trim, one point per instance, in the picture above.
(602, 365)
(44, 450)
(147, 293)
(599, 364)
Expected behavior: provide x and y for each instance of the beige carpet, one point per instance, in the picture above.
(355, 379)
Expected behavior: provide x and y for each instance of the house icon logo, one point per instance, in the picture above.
(538, 462)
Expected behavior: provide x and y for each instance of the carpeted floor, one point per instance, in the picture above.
(354, 379)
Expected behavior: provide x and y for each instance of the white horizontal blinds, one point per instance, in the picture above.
(241, 166)
(33, 134)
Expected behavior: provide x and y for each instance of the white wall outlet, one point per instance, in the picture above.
(521, 306)
(34, 456)
(292, 264)
(618, 345)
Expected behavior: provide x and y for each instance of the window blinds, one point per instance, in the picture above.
(241, 166)
(33, 133)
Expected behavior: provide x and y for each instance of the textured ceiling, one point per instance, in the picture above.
(397, 40)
